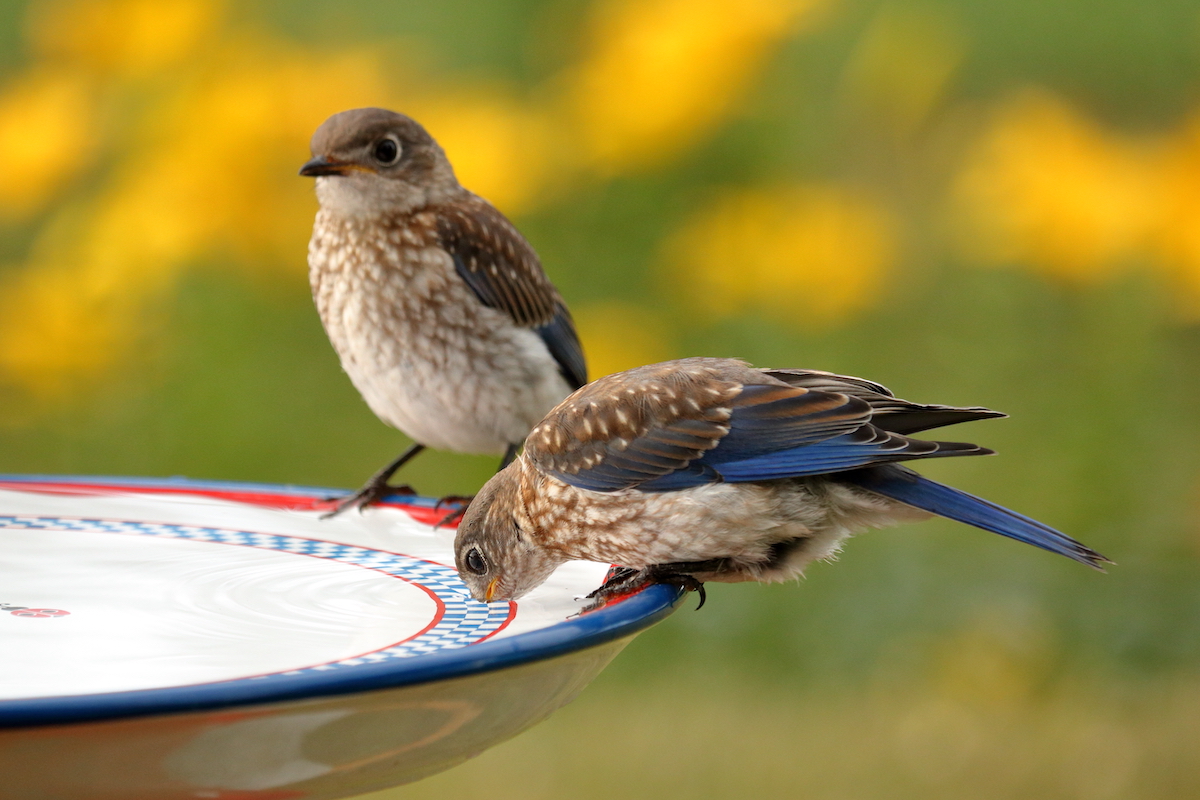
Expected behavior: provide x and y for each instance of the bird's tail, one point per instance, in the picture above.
(901, 483)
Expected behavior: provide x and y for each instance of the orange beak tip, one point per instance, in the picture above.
(491, 590)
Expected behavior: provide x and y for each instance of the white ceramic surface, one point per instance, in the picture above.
(177, 639)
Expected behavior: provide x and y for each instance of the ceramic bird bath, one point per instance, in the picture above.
(179, 639)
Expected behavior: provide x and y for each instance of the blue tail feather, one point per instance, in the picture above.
(900, 483)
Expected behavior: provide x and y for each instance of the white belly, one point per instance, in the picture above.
(458, 399)
(428, 357)
(737, 522)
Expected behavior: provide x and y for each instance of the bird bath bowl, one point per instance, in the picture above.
(178, 639)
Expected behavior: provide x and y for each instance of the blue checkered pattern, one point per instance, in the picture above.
(464, 621)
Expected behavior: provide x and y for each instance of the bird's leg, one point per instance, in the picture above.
(462, 501)
(377, 487)
(624, 580)
(620, 580)
(510, 454)
(683, 573)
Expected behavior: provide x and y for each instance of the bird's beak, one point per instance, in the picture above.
(491, 590)
(322, 165)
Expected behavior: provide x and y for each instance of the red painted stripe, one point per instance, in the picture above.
(289, 502)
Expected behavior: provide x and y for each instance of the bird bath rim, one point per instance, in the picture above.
(617, 620)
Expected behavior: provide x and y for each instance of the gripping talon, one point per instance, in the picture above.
(618, 580)
(455, 516)
(369, 495)
(625, 580)
(463, 500)
(689, 584)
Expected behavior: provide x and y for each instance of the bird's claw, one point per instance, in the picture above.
(455, 516)
(624, 581)
(462, 500)
(369, 495)
(619, 581)
(690, 584)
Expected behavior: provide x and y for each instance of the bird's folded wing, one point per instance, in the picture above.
(830, 382)
(496, 262)
(867, 446)
(563, 344)
(664, 430)
(887, 411)
(673, 426)
(504, 272)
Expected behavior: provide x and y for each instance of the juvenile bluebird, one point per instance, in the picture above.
(437, 307)
(707, 469)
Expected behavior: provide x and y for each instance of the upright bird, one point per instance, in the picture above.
(436, 305)
(708, 469)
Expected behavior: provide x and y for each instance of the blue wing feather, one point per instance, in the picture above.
(769, 419)
(694, 474)
(563, 343)
(687, 428)
(908, 487)
(773, 432)
(850, 451)
(503, 271)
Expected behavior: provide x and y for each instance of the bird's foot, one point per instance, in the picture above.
(686, 581)
(461, 502)
(624, 581)
(620, 582)
(371, 494)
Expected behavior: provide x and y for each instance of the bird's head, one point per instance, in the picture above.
(496, 556)
(369, 161)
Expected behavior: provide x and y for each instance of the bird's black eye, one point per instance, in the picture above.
(476, 562)
(386, 151)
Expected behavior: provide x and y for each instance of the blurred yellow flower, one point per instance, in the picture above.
(809, 255)
(209, 123)
(227, 144)
(619, 336)
(1048, 187)
(901, 68)
(501, 149)
(1175, 235)
(132, 37)
(59, 325)
(661, 73)
(209, 168)
(48, 134)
